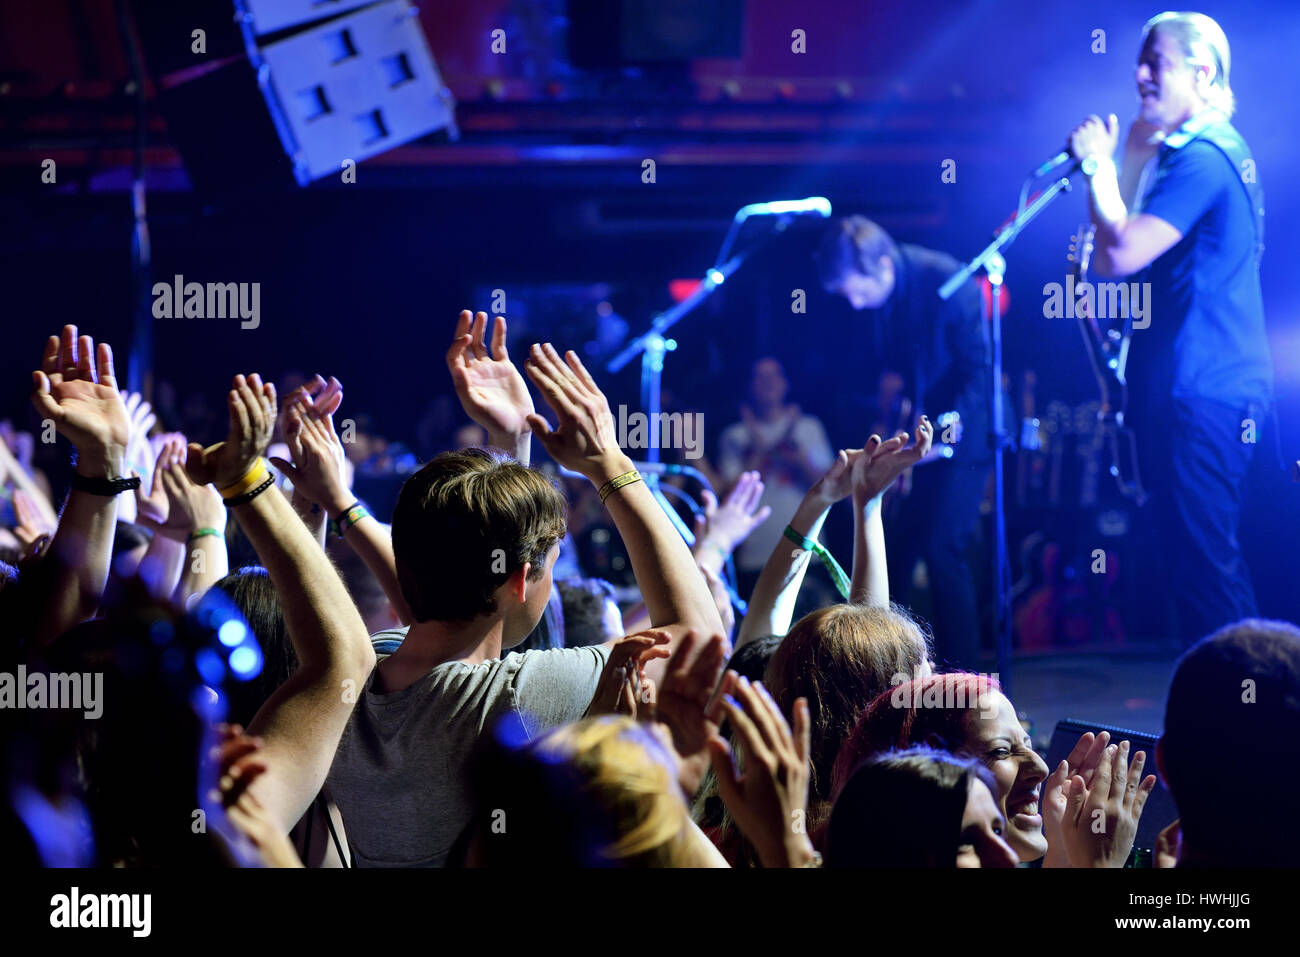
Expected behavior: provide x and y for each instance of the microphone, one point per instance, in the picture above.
(1057, 161)
(812, 206)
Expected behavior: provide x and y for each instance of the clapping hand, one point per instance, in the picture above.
(882, 462)
(584, 439)
(76, 388)
(252, 408)
(623, 683)
(769, 800)
(723, 527)
(683, 700)
(317, 469)
(1101, 818)
(491, 390)
(1082, 761)
(33, 525)
(187, 506)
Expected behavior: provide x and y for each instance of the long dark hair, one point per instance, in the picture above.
(903, 809)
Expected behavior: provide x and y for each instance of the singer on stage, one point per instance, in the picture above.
(1200, 376)
(942, 352)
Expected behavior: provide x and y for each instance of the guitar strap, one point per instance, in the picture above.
(1213, 127)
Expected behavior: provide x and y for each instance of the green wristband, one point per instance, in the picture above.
(204, 532)
(841, 580)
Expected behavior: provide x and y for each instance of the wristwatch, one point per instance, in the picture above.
(1090, 164)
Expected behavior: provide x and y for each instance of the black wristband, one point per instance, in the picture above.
(251, 493)
(99, 486)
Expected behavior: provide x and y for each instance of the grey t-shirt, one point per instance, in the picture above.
(399, 775)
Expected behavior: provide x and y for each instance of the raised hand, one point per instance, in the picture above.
(584, 439)
(623, 683)
(139, 450)
(1095, 137)
(1101, 818)
(882, 462)
(723, 527)
(76, 388)
(239, 765)
(153, 506)
(189, 506)
(252, 408)
(33, 524)
(683, 700)
(769, 800)
(837, 483)
(491, 390)
(1082, 761)
(317, 469)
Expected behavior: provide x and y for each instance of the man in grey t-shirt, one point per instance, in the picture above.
(475, 538)
(443, 715)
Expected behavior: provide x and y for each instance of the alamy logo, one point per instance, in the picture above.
(132, 911)
(215, 300)
(76, 692)
(940, 693)
(666, 430)
(1104, 300)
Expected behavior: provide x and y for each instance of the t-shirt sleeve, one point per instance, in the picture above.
(1187, 185)
(554, 687)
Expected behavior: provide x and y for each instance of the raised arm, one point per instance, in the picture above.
(195, 524)
(317, 474)
(1125, 241)
(771, 607)
(676, 594)
(300, 723)
(76, 388)
(874, 471)
(491, 390)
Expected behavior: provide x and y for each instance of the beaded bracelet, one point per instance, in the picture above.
(252, 494)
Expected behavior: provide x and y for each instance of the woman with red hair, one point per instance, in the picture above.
(969, 715)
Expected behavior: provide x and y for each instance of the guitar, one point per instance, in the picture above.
(1108, 352)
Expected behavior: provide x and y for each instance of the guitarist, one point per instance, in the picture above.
(1200, 377)
(942, 352)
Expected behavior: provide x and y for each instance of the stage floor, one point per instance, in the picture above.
(1124, 688)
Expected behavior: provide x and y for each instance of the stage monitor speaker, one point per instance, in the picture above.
(297, 99)
(1160, 810)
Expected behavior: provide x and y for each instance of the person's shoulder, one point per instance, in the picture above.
(1201, 158)
(558, 660)
(930, 260)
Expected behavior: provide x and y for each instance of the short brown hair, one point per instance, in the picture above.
(464, 524)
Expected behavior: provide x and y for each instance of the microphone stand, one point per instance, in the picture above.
(652, 345)
(994, 265)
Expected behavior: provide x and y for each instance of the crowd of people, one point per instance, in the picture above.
(280, 678)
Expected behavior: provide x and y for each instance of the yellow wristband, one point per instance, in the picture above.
(616, 483)
(254, 477)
